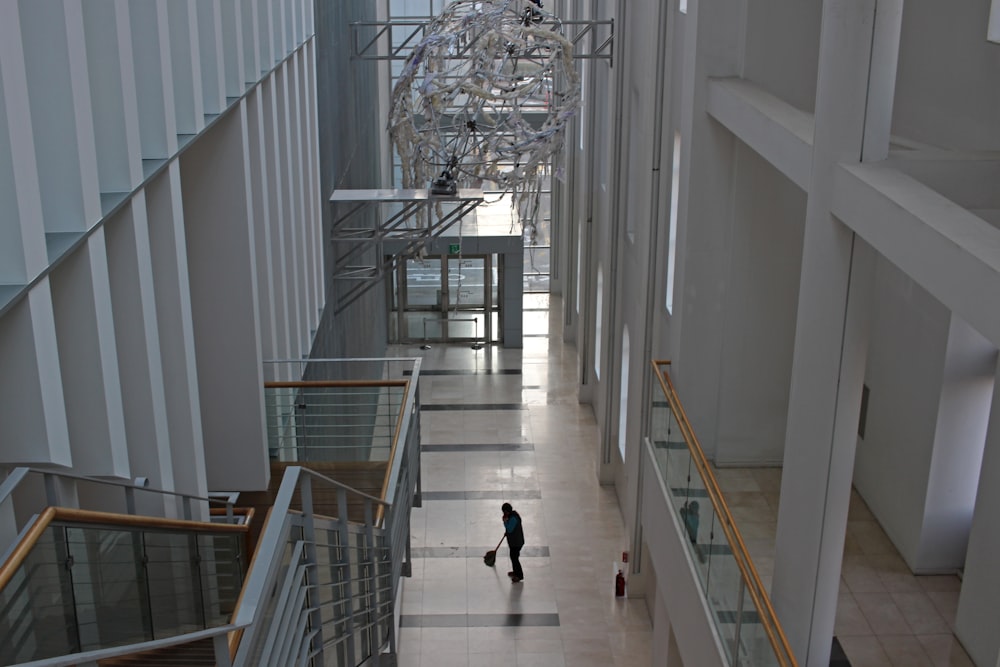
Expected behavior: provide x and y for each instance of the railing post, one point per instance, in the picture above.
(129, 500)
(739, 623)
(345, 571)
(371, 581)
(309, 538)
(51, 490)
(220, 645)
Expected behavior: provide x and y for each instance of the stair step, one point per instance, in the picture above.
(195, 654)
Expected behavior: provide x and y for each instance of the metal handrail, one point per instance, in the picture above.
(41, 522)
(17, 475)
(409, 407)
(53, 498)
(768, 618)
(266, 564)
(219, 637)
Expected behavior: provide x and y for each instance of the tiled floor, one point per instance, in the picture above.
(528, 442)
(886, 617)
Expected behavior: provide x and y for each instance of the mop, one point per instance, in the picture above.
(491, 556)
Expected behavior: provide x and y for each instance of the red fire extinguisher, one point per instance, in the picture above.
(620, 584)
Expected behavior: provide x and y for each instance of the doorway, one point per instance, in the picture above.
(447, 299)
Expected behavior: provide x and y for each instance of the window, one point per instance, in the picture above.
(675, 187)
(598, 314)
(623, 404)
(993, 31)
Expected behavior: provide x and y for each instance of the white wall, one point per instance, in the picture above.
(783, 61)
(760, 307)
(97, 338)
(975, 622)
(224, 309)
(903, 374)
(945, 92)
(959, 439)
(711, 48)
(930, 381)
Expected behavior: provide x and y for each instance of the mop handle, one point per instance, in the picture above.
(501, 541)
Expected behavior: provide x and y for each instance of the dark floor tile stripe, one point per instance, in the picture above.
(481, 495)
(473, 371)
(749, 616)
(475, 552)
(534, 335)
(441, 407)
(716, 549)
(500, 447)
(478, 620)
(663, 444)
(682, 492)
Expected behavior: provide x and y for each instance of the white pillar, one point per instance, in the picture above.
(831, 337)
(712, 46)
(975, 622)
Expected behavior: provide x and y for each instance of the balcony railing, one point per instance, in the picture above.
(77, 585)
(741, 609)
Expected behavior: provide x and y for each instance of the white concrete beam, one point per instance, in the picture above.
(969, 180)
(782, 134)
(950, 252)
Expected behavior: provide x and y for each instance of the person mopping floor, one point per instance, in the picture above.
(515, 540)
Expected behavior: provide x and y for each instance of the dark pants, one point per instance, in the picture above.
(515, 562)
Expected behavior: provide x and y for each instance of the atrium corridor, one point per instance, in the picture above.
(504, 425)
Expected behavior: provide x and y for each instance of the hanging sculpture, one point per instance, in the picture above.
(486, 96)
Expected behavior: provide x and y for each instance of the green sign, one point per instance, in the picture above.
(454, 248)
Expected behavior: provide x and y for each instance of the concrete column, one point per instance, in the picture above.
(223, 288)
(712, 47)
(975, 622)
(182, 457)
(33, 425)
(830, 341)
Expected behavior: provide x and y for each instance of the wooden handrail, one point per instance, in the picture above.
(25, 546)
(138, 521)
(769, 620)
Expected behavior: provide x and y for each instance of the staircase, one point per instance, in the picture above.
(196, 654)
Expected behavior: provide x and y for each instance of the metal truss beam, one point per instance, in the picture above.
(395, 39)
(364, 219)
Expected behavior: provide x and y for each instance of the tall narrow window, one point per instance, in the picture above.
(623, 404)
(579, 269)
(675, 187)
(993, 31)
(598, 314)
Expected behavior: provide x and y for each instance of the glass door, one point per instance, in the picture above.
(446, 299)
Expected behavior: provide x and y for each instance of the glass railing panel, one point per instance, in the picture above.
(222, 569)
(754, 646)
(174, 583)
(723, 585)
(333, 422)
(109, 587)
(750, 635)
(33, 622)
